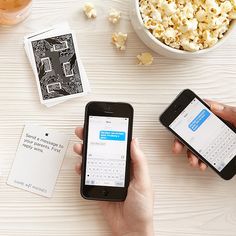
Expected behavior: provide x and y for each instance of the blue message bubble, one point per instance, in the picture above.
(199, 120)
(112, 135)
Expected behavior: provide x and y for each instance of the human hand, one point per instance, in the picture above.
(227, 113)
(134, 216)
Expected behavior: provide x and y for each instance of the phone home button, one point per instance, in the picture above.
(104, 192)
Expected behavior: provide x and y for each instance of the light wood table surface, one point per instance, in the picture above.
(187, 201)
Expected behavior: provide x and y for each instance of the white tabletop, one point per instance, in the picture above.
(187, 201)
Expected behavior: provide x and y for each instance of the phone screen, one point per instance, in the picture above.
(106, 151)
(206, 133)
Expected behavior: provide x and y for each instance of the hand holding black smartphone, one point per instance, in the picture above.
(209, 137)
(106, 152)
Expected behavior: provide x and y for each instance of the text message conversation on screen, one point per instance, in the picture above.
(206, 133)
(106, 151)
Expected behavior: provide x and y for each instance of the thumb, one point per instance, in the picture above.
(139, 163)
(227, 113)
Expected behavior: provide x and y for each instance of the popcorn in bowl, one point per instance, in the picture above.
(188, 25)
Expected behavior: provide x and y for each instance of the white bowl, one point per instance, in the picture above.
(156, 45)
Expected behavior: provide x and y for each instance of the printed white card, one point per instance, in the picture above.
(38, 160)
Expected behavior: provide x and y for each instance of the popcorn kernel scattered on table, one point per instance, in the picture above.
(89, 10)
(119, 40)
(114, 16)
(145, 58)
(189, 25)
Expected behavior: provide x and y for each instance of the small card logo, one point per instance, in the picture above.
(67, 69)
(60, 46)
(47, 64)
(53, 87)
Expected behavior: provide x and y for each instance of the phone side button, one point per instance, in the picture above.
(105, 192)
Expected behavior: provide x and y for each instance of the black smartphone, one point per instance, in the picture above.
(209, 137)
(106, 151)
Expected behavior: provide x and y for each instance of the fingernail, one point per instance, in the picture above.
(217, 107)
